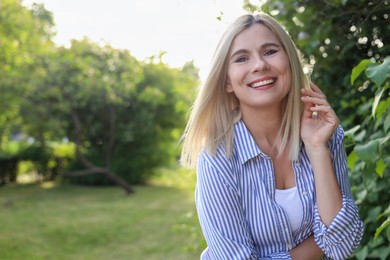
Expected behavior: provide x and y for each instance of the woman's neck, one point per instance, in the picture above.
(264, 125)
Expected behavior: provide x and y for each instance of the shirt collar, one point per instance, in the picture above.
(245, 146)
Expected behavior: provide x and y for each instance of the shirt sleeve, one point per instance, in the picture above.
(221, 217)
(341, 238)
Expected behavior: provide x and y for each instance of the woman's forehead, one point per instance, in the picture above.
(257, 34)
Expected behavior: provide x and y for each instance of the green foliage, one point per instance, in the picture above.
(128, 111)
(47, 161)
(338, 37)
(40, 157)
(378, 73)
(25, 34)
(120, 113)
(9, 161)
(370, 161)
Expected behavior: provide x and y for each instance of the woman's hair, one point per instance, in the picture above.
(215, 111)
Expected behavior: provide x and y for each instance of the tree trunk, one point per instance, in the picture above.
(90, 167)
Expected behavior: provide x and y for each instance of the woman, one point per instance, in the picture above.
(271, 166)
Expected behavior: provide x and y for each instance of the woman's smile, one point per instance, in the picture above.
(263, 83)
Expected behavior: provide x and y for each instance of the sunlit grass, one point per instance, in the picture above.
(57, 221)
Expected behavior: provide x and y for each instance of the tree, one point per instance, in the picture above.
(25, 34)
(123, 115)
(83, 86)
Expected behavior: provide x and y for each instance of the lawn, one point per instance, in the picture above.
(60, 221)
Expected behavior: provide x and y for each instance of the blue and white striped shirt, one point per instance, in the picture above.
(235, 200)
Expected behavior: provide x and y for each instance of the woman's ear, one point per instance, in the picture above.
(228, 86)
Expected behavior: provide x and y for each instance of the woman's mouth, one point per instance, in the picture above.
(262, 83)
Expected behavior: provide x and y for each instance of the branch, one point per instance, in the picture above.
(98, 170)
(86, 172)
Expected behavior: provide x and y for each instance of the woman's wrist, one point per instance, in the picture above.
(316, 149)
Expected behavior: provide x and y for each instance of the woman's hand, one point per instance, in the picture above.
(319, 120)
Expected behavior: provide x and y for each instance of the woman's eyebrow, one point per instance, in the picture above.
(238, 52)
(263, 46)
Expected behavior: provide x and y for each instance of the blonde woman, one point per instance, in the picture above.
(268, 148)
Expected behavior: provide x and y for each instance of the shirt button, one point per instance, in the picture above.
(304, 193)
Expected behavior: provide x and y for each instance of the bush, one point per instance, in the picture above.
(369, 159)
(8, 170)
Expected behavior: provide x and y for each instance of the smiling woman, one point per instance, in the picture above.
(272, 179)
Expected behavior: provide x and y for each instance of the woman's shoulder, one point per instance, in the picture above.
(242, 149)
(218, 157)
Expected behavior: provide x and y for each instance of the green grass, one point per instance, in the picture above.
(59, 221)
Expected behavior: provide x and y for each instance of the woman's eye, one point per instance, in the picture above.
(269, 52)
(240, 59)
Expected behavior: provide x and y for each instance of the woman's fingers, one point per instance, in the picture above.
(316, 89)
(312, 93)
(314, 100)
(321, 108)
(314, 96)
(307, 113)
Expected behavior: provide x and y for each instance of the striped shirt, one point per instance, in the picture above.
(235, 200)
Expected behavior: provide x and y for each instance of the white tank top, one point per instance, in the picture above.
(291, 204)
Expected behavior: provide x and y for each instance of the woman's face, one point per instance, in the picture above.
(258, 71)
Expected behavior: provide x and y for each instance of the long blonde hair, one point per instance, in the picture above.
(215, 111)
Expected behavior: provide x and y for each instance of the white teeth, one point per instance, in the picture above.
(262, 83)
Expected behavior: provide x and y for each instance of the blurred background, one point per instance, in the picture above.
(94, 98)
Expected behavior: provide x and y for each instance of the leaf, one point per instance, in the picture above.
(362, 254)
(378, 96)
(385, 224)
(352, 159)
(367, 151)
(360, 136)
(361, 196)
(358, 69)
(386, 124)
(380, 168)
(388, 233)
(379, 72)
(384, 213)
(352, 131)
(382, 108)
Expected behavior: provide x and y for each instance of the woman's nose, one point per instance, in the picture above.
(260, 65)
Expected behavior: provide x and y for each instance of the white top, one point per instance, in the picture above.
(289, 200)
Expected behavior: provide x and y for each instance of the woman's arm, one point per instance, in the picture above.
(316, 133)
(337, 228)
(307, 250)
